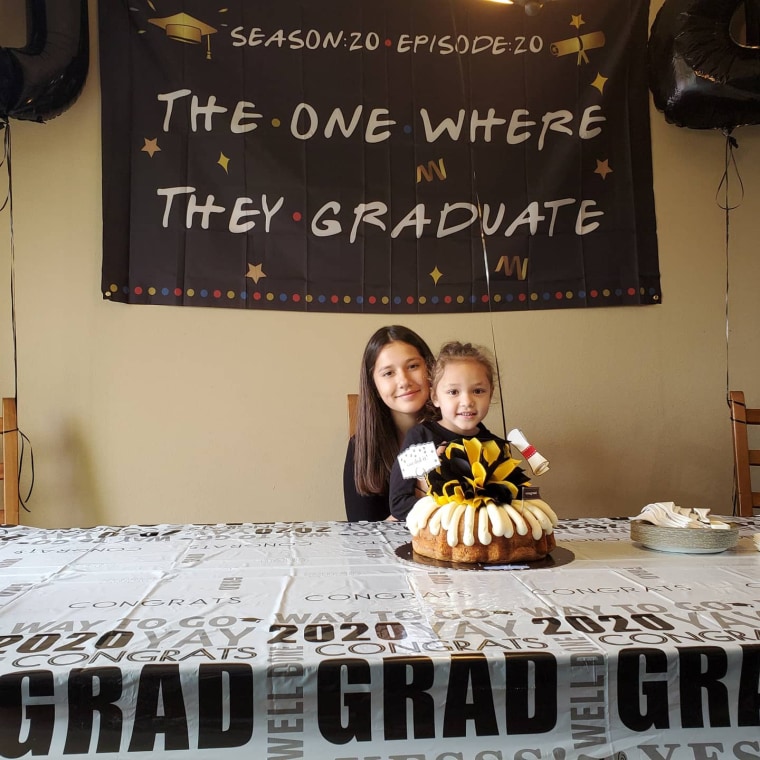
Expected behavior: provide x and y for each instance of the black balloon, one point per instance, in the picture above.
(42, 79)
(700, 77)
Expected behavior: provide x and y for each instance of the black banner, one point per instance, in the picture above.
(399, 156)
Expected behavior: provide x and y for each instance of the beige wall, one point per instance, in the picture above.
(161, 414)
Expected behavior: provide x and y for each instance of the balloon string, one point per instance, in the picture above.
(6, 159)
(481, 230)
(729, 162)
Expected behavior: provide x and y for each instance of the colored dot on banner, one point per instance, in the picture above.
(243, 295)
(164, 291)
(581, 294)
(558, 296)
(594, 293)
(151, 291)
(231, 294)
(283, 297)
(522, 297)
(546, 296)
(423, 300)
(107, 294)
(410, 300)
(204, 293)
(297, 216)
(309, 298)
(397, 300)
(618, 291)
(138, 291)
(257, 296)
(434, 299)
(217, 294)
(484, 298)
(321, 299)
(276, 122)
(606, 293)
(359, 299)
(177, 291)
(497, 298)
(407, 129)
(388, 43)
(346, 299)
(270, 296)
(447, 299)
(386, 300)
(334, 299)
(460, 299)
(534, 296)
(296, 297)
(372, 299)
(190, 292)
(511, 298)
(569, 294)
(631, 291)
(113, 288)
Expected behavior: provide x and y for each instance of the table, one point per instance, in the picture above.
(327, 641)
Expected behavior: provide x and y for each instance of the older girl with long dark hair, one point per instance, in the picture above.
(394, 394)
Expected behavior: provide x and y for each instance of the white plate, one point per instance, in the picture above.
(684, 540)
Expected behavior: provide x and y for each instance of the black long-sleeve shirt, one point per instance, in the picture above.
(358, 507)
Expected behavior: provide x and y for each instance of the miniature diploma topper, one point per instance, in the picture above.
(537, 463)
(418, 460)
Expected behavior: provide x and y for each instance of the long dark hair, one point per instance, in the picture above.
(376, 440)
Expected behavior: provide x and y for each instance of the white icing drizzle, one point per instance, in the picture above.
(468, 526)
(484, 535)
(446, 512)
(501, 525)
(418, 517)
(543, 518)
(521, 527)
(452, 532)
(434, 525)
(491, 520)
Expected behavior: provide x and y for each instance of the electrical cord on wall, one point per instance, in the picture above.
(6, 159)
(725, 204)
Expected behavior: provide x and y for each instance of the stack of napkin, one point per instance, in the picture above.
(667, 514)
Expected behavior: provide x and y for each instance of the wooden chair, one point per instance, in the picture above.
(9, 463)
(353, 400)
(745, 458)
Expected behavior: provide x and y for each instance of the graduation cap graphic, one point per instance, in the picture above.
(185, 28)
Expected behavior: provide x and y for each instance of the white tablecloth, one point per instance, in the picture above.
(329, 641)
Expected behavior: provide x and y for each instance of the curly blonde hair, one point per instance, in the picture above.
(454, 351)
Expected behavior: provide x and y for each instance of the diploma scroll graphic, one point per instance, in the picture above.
(578, 45)
(537, 463)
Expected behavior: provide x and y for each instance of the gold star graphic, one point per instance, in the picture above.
(599, 82)
(150, 147)
(255, 272)
(603, 168)
(577, 21)
(436, 274)
(223, 161)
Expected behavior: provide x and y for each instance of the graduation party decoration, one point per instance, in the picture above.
(476, 472)
(404, 156)
(42, 79)
(700, 76)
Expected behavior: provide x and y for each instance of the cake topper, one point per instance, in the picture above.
(537, 463)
